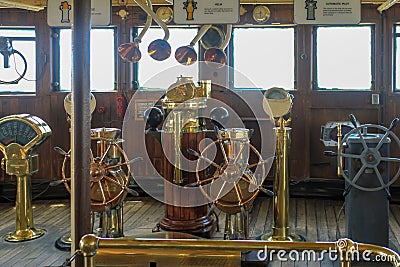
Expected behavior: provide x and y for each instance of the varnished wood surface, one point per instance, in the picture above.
(315, 219)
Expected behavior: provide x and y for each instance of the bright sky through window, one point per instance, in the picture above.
(344, 58)
(265, 56)
(397, 68)
(16, 64)
(102, 60)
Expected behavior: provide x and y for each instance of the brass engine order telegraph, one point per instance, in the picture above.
(280, 102)
(19, 137)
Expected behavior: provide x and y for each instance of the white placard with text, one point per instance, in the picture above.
(59, 13)
(327, 11)
(206, 11)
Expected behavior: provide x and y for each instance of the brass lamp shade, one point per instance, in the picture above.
(159, 50)
(130, 52)
(215, 55)
(186, 55)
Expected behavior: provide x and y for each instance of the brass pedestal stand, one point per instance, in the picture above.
(24, 227)
(236, 226)
(280, 225)
(20, 134)
(111, 225)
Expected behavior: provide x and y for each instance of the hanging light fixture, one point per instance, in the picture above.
(158, 49)
(130, 51)
(216, 54)
(186, 55)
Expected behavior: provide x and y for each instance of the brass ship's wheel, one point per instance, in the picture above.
(109, 174)
(235, 175)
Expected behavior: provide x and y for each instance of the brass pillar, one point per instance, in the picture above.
(280, 224)
(136, 251)
(24, 227)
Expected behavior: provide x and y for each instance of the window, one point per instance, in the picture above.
(344, 58)
(102, 59)
(18, 60)
(160, 74)
(264, 57)
(396, 74)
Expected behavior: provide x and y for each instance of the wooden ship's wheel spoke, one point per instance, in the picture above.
(109, 179)
(102, 193)
(226, 160)
(116, 165)
(207, 180)
(104, 154)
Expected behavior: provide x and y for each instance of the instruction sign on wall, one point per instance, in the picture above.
(206, 11)
(59, 13)
(327, 11)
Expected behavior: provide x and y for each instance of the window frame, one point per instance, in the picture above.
(396, 35)
(314, 81)
(38, 76)
(55, 59)
(231, 60)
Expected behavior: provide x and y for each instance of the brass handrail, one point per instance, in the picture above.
(90, 245)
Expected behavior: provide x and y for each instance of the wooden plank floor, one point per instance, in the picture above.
(315, 219)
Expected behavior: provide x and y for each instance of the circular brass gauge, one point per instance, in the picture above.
(279, 101)
(165, 13)
(214, 37)
(123, 13)
(261, 13)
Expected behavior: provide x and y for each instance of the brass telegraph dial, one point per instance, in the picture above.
(165, 13)
(214, 37)
(25, 130)
(261, 13)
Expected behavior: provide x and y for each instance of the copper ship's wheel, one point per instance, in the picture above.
(235, 175)
(109, 174)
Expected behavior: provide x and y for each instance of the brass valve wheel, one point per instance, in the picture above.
(232, 180)
(109, 174)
